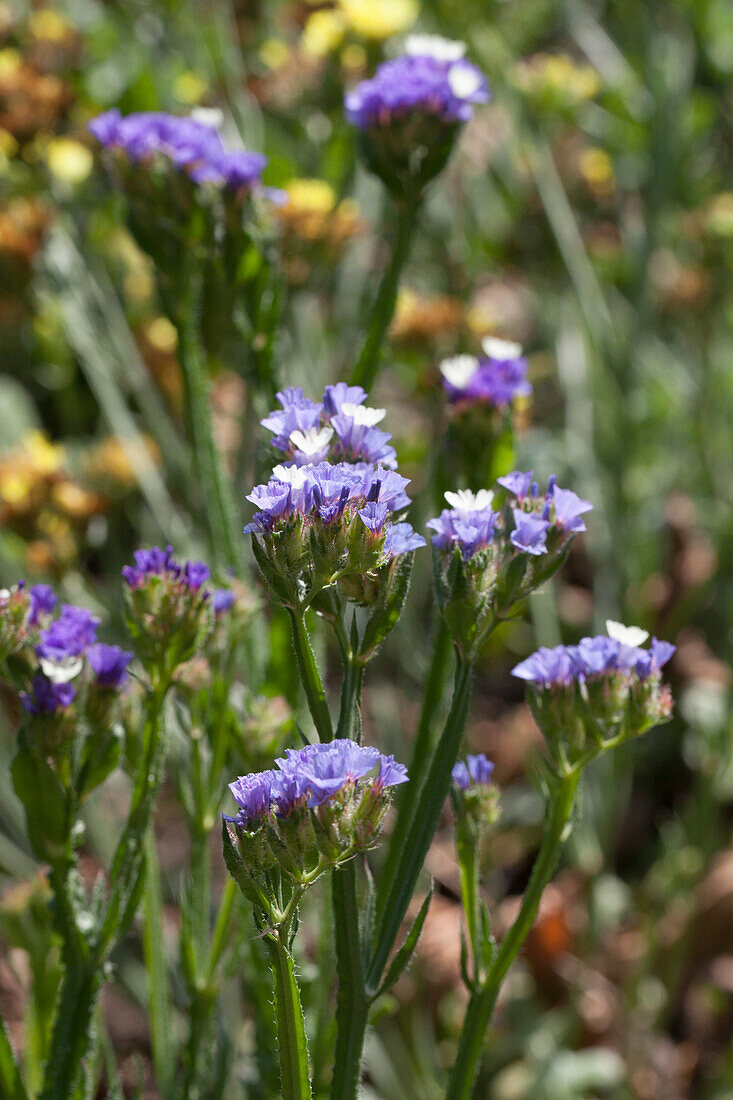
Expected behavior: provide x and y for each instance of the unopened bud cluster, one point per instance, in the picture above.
(320, 806)
(604, 689)
(487, 561)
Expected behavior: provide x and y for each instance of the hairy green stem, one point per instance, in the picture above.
(11, 1082)
(352, 1004)
(482, 1002)
(218, 501)
(408, 793)
(367, 365)
(289, 1021)
(423, 826)
(467, 851)
(315, 692)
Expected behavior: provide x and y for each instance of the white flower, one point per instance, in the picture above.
(4, 593)
(501, 349)
(312, 441)
(464, 80)
(466, 501)
(627, 635)
(208, 116)
(362, 414)
(291, 475)
(432, 45)
(60, 672)
(459, 370)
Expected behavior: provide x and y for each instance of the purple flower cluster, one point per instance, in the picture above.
(432, 78)
(69, 636)
(47, 697)
(43, 602)
(327, 493)
(591, 659)
(496, 378)
(310, 777)
(109, 665)
(471, 524)
(340, 426)
(188, 143)
(158, 562)
(476, 771)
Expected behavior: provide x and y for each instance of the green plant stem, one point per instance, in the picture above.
(226, 547)
(409, 792)
(352, 1004)
(315, 692)
(423, 826)
(467, 850)
(367, 365)
(11, 1083)
(481, 1004)
(289, 1021)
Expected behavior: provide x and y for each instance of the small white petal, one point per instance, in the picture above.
(627, 635)
(459, 370)
(209, 116)
(464, 80)
(433, 45)
(466, 501)
(501, 349)
(312, 441)
(290, 475)
(60, 672)
(4, 593)
(363, 414)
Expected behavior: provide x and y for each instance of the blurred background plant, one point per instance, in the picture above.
(585, 215)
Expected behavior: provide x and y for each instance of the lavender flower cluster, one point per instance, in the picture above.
(309, 777)
(471, 524)
(360, 486)
(189, 144)
(339, 426)
(476, 771)
(156, 562)
(619, 651)
(432, 78)
(496, 378)
(64, 645)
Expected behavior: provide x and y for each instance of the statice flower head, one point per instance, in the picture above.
(186, 144)
(15, 613)
(409, 112)
(318, 807)
(603, 689)
(109, 664)
(168, 604)
(475, 798)
(43, 603)
(497, 378)
(487, 562)
(222, 600)
(48, 697)
(329, 516)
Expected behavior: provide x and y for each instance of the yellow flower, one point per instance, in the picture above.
(69, 160)
(274, 53)
(15, 485)
(45, 456)
(189, 88)
(49, 25)
(323, 32)
(10, 61)
(162, 335)
(8, 144)
(379, 19)
(311, 196)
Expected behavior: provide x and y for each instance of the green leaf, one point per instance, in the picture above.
(102, 757)
(11, 1083)
(403, 957)
(39, 789)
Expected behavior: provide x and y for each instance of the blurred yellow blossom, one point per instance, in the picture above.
(10, 61)
(323, 32)
(596, 168)
(45, 456)
(556, 81)
(353, 58)
(49, 25)
(69, 160)
(719, 215)
(161, 333)
(111, 459)
(421, 317)
(311, 195)
(379, 19)
(189, 87)
(8, 144)
(274, 53)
